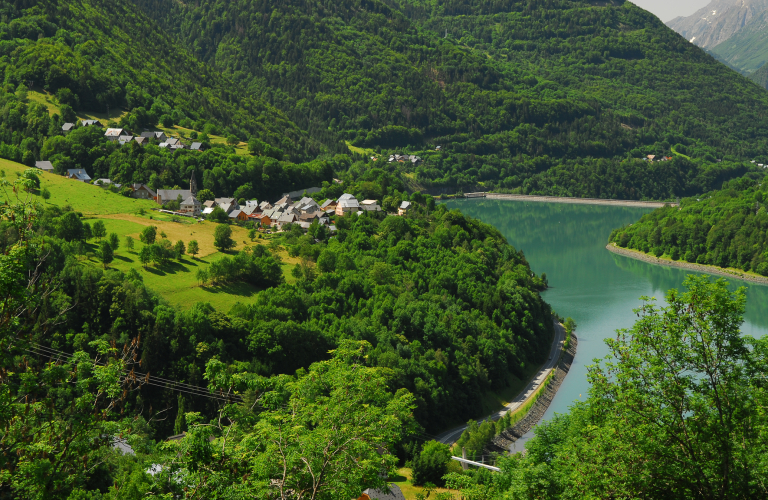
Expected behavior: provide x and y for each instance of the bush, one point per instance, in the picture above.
(431, 464)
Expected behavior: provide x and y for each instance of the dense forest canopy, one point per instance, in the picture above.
(725, 228)
(519, 94)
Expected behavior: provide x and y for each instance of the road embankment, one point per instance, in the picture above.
(577, 201)
(503, 441)
(699, 268)
(541, 377)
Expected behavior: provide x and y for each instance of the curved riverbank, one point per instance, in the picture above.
(504, 441)
(699, 268)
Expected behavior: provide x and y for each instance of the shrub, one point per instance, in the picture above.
(431, 464)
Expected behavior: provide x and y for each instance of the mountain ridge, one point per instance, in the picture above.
(717, 21)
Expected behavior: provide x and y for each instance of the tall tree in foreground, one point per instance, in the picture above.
(56, 410)
(676, 410)
(325, 434)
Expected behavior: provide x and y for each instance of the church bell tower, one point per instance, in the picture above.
(193, 185)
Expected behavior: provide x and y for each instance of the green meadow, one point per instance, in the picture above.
(175, 281)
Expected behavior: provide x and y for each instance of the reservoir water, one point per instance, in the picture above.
(595, 287)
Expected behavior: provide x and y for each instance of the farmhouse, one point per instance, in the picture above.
(328, 205)
(78, 174)
(143, 192)
(191, 205)
(370, 206)
(159, 136)
(67, 127)
(91, 123)
(238, 215)
(114, 134)
(403, 208)
(347, 204)
(286, 219)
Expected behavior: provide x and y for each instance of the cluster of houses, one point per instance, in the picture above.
(405, 158)
(123, 136)
(657, 158)
(303, 212)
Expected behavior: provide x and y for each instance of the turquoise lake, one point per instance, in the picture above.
(595, 287)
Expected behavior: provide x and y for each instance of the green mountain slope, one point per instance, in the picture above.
(760, 76)
(514, 89)
(747, 49)
(113, 56)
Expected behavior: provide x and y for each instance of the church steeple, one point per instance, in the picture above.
(193, 185)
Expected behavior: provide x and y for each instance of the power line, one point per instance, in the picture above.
(145, 378)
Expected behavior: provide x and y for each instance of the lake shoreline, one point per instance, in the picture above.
(700, 268)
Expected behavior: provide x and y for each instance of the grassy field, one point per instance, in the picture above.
(175, 281)
(85, 198)
(49, 101)
(362, 151)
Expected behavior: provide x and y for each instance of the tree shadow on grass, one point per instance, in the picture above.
(123, 258)
(238, 289)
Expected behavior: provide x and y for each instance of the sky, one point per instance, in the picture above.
(666, 10)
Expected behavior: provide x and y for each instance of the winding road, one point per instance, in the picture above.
(451, 436)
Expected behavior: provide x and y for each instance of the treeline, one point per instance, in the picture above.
(725, 228)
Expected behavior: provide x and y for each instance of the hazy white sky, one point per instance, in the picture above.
(667, 10)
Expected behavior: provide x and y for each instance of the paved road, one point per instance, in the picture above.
(453, 435)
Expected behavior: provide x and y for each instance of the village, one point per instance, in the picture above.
(295, 208)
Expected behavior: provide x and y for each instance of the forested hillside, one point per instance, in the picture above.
(509, 90)
(724, 228)
(96, 56)
(436, 308)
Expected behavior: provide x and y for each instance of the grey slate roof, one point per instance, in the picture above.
(172, 194)
(67, 127)
(44, 165)
(394, 493)
(79, 174)
(405, 205)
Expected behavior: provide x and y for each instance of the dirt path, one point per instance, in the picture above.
(699, 268)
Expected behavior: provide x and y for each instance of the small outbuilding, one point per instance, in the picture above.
(45, 166)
